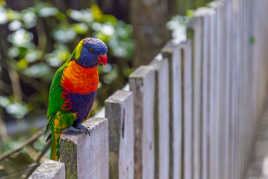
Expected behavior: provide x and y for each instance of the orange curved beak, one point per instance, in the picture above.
(102, 59)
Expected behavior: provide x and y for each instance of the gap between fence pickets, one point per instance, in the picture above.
(86, 156)
(49, 169)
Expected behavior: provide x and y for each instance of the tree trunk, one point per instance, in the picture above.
(149, 19)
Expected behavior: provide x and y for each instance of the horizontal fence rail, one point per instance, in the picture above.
(189, 114)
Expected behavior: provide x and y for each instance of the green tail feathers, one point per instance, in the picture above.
(61, 121)
(55, 146)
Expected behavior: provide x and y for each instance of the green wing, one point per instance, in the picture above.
(55, 100)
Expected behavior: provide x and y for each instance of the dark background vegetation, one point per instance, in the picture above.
(36, 37)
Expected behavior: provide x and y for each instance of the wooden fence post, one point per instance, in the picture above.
(49, 169)
(241, 120)
(234, 88)
(229, 58)
(221, 90)
(162, 117)
(142, 83)
(212, 101)
(187, 110)
(119, 109)
(173, 52)
(206, 97)
(86, 156)
(204, 14)
(195, 29)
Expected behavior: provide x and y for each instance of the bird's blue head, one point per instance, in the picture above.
(90, 52)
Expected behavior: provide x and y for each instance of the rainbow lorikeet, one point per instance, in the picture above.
(73, 90)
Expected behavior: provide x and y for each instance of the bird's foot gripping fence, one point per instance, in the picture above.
(190, 114)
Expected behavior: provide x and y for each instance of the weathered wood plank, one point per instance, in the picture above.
(197, 52)
(173, 52)
(229, 55)
(204, 15)
(236, 86)
(197, 40)
(252, 63)
(246, 123)
(218, 108)
(142, 83)
(86, 156)
(187, 111)
(162, 117)
(222, 92)
(249, 83)
(119, 109)
(49, 169)
(203, 45)
(234, 89)
(242, 94)
(213, 98)
(223, 89)
(205, 98)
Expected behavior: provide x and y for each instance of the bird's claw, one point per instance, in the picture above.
(71, 129)
(78, 129)
(83, 129)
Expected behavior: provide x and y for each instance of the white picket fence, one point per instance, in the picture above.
(190, 114)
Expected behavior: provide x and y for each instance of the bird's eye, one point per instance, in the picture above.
(91, 50)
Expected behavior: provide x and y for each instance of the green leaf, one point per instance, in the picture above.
(12, 15)
(252, 40)
(22, 63)
(80, 28)
(2, 3)
(96, 12)
(109, 18)
(190, 13)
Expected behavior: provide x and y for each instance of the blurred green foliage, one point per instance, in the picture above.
(40, 38)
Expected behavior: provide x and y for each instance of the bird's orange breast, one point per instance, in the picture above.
(77, 79)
